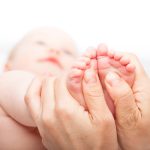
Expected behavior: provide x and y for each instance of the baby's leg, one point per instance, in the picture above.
(16, 124)
(74, 79)
(109, 61)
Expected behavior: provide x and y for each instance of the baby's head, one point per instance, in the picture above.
(43, 51)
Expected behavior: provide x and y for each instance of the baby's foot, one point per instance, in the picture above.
(109, 61)
(74, 79)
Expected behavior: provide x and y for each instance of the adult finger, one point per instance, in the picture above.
(125, 104)
(48, 98)
(32, 98)
(93, 94)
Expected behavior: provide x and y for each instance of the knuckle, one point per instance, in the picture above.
(60, 108)
(47, 121)
(105, 125)
(129, 120)
(104, 121)
(107, 122)
(63, 111)
(93, 92)
(125, 96)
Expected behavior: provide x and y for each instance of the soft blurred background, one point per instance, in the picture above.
(122, 24)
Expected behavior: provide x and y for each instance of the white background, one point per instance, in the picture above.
(123, 24)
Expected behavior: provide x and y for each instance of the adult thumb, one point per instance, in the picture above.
(94, 96)
(126, 109)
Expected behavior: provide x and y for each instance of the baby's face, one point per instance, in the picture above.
(45, 52)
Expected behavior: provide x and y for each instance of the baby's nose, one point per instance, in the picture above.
(55, 51)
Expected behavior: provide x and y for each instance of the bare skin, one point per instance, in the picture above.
(102, 61)
(18, 87)
(43, 51)
(109, 61)
(64, 123)
(48, 51)
(76, 74)
(132, 108)
(22, 81)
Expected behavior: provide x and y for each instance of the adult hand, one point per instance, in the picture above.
(132, 108)
(64, 124)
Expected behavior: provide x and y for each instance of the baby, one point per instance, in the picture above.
(49, 52)
(46, 51)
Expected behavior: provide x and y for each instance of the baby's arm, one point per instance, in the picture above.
(13, 86)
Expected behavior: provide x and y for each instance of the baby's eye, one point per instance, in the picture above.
(40, 43)
(67, 52)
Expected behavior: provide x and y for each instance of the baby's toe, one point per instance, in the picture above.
(130, 67)
(90, 53)
(118, 56)
(102, 50)
(124, 60)
(111, 54)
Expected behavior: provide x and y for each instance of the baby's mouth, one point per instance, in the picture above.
(51, 60)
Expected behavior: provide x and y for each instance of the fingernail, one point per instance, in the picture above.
(113, 79)
(90, 76)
